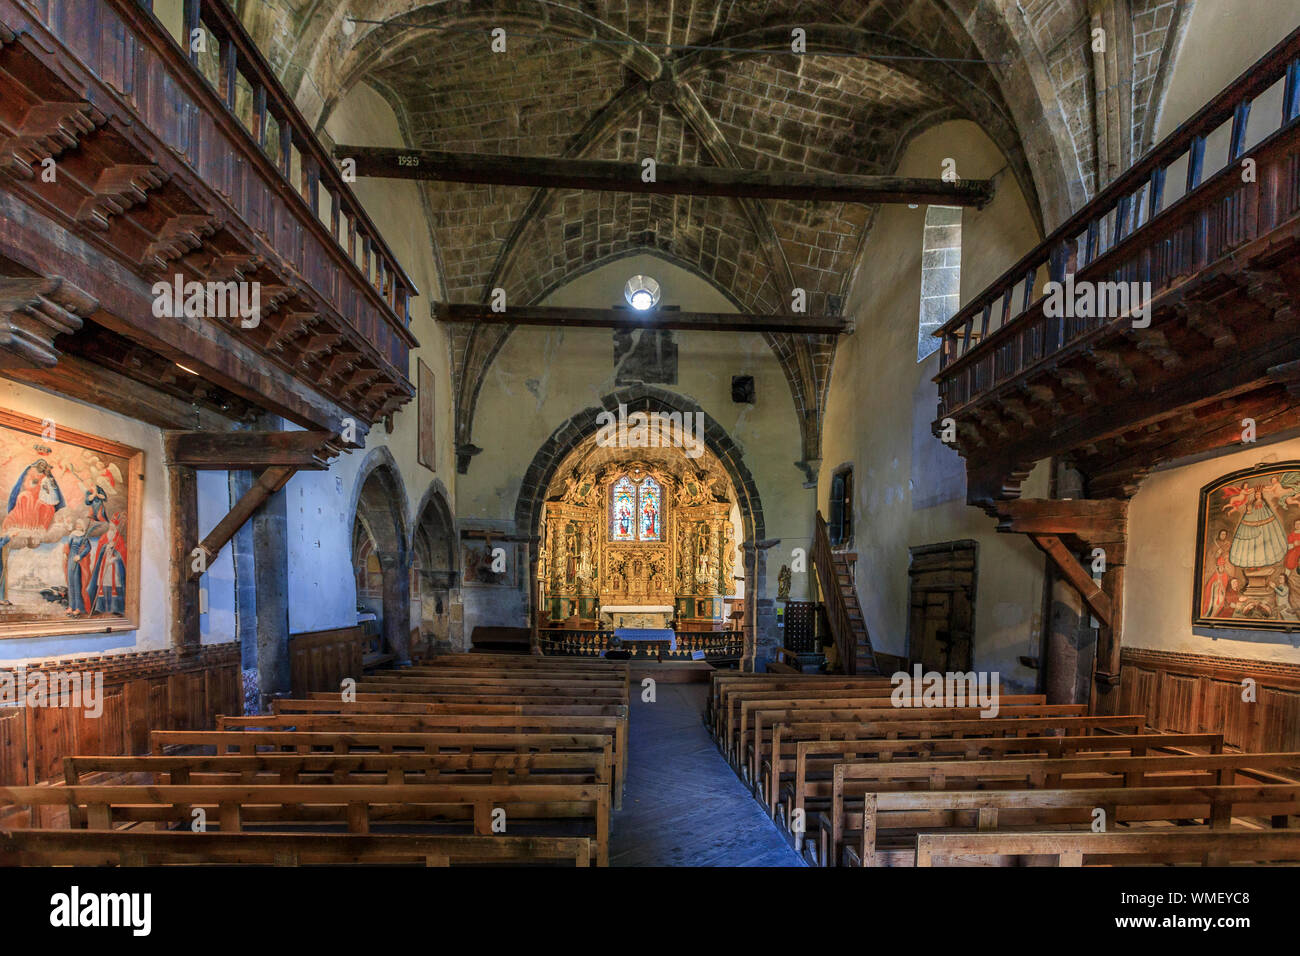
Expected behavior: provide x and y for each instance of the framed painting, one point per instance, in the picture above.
(427, 451)
(69, 530)
(1248, 550)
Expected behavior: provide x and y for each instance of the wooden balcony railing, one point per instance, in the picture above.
(205, 131)
(247, 85)
(1162, 221)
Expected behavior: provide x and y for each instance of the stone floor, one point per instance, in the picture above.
(683, 805)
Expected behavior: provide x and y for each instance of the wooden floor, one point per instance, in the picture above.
(683, 805)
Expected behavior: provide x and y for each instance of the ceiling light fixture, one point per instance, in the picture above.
(642, 293)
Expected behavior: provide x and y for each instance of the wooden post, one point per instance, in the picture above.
(183, 503)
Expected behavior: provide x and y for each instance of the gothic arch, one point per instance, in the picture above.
(433, 532)
(637, 398)
(647, 398)
(379, 506)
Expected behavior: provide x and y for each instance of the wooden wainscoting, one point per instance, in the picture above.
(1196, 693)
(144, 691)
(319, 660)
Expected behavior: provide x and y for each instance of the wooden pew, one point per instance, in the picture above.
(724, 688)
(452, 723)
(495, 700)
(392, 688)
(777, 751)
(305, 742)
(358, 806)
(512, 673)
(492, 693)
(541, 683)
(865, 710)
(1112, 849)
(754, 714)
(536, 661)
(335, 706)
(893, 820)
(142, 848)
(811, 762)
(852, 781)
(576, 767)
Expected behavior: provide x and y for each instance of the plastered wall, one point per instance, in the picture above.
(1159, 580)
(909, 489)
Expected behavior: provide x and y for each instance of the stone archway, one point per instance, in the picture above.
(435, 579)
(760, 615)
(380, 532)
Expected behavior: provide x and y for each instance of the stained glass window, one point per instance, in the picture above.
(649, 504)
(636, 510)
(622, 525)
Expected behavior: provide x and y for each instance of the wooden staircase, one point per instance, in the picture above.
(843, 611)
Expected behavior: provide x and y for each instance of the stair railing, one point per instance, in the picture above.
(837, 613)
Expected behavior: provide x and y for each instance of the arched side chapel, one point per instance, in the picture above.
(355, 341)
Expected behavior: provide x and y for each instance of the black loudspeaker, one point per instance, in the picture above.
(742, 389)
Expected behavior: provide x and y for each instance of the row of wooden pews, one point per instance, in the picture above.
(474, 759)
(854, 778)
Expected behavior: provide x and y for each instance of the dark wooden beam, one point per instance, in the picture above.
(268, 483)
(77, 378)
(227, 451)
(608, 176)
(565, 317)
(1075, 573)
(183, 492)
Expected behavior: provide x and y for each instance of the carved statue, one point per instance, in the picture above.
(783, 583)
(728, 558)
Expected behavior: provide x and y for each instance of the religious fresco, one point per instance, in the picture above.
(69, 536)
(1248, 550)
(482, 567)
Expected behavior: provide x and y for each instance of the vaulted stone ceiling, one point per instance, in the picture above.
(693, 82)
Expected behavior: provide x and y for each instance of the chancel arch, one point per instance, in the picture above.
(701, 568)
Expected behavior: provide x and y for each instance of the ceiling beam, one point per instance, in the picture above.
(566, 317)
(224, 451)
(608, 176)
(74, 377)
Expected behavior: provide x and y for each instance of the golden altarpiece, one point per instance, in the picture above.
(635, 544)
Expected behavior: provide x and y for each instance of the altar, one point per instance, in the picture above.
(653, 616)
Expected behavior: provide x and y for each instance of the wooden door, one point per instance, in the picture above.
(941, 626)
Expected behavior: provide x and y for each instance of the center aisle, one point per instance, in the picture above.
(683, 805)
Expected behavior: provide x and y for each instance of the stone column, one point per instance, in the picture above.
(397, 604)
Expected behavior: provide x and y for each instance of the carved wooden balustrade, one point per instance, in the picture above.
(175, 158)
(716, 646)
(1114, 392)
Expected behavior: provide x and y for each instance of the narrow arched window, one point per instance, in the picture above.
(940, 275)
(649, 505)
(623, 511)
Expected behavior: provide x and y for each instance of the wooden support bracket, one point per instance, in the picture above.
(1077, 575)
(268, 483)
